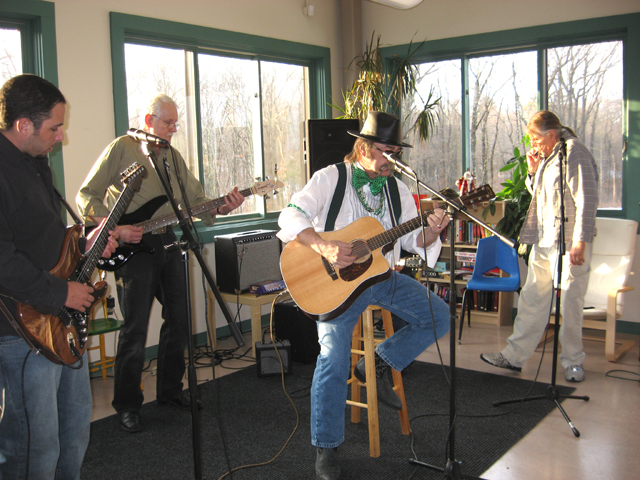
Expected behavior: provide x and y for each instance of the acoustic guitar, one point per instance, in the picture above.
(62, 338)
(142, 218)
(324, 292)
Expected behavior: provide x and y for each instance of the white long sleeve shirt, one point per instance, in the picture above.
(310, 206)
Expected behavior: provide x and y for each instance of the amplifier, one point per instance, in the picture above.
(267, 361)
(247, 258)
(290, 323)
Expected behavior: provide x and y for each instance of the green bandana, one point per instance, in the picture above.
(359, 179)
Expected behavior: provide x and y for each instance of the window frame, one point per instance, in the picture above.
(36, 21)
(625, 28)
(145, 31)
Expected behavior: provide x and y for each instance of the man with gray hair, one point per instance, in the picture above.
(158, 273)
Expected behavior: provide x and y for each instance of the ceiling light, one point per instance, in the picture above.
(401, 4)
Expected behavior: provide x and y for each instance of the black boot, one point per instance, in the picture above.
(385, 391)
(327, 466)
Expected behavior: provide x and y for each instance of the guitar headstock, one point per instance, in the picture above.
(475, 197)
(134, 175)
(268, 186)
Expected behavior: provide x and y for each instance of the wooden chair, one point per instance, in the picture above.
(363, 343)
(611, 261)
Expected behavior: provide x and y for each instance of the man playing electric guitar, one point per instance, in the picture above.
(148, 276)
(334, 198)
(45, 429)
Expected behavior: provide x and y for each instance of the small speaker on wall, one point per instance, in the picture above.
(247, 258)
(328, 141)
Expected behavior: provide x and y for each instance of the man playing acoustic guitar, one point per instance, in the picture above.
(336, 197)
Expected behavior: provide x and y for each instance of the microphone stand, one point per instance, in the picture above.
(186, 243)
(552, 392)
(453, 469)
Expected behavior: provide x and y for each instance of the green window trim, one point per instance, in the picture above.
(619, 27)
(37, 21)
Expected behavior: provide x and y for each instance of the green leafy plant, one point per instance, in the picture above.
(381, 87)
(515, 195)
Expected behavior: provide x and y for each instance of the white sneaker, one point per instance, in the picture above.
(574, 373)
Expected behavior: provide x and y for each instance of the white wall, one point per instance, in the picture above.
(84, 58)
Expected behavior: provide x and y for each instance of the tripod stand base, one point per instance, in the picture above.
(553, 395)
(452, 470)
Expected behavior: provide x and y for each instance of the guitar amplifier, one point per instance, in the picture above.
(268, 360)
(247, 258)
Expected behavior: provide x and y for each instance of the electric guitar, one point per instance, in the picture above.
(141, 218)
(324, 292)
(62, 337)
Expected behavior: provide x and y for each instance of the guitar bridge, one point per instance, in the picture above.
(330, 269)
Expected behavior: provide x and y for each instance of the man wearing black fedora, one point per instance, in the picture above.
(334, 198)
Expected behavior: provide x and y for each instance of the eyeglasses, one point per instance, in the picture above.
(168, 124)
(397, 153)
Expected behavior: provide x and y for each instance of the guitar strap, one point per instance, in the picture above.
(68, 207)
(338, 196)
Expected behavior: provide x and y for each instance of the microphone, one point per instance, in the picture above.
(398, 163)
(146, 137)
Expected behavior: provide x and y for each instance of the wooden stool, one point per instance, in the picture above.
(363, 343)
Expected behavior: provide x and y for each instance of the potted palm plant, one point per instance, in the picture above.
(382, 86)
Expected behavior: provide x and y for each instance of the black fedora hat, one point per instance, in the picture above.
(382, 128)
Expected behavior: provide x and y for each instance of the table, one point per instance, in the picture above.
(249, 300)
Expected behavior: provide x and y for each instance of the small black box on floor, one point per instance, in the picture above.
(267, 361)
(247, 258)
(290, 323)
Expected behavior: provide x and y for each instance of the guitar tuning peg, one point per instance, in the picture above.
(266, 178)
(258, 179)
(267, 197)
(275, 192)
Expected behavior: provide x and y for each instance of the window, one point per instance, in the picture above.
(10, 53)
(507, 76)
(28, 45)
(242, 113)
(439, 159)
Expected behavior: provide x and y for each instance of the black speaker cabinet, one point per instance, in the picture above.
(290, 323)
(243, 259)
(267, 360)
(328, 141)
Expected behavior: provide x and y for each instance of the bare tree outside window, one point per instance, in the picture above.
(502, 97)
(248, 109)
(437, 162)
(284, 112)
(585, 91)
(229, 110)
(10, 54)
(151, 71)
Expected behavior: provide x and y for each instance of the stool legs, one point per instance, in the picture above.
(363, 343)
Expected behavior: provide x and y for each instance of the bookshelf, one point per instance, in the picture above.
(503, 313)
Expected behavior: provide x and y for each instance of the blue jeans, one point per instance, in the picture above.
(402, 296)
(47, 435)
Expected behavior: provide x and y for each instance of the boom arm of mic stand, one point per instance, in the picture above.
(192, 245)
(456, 207)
